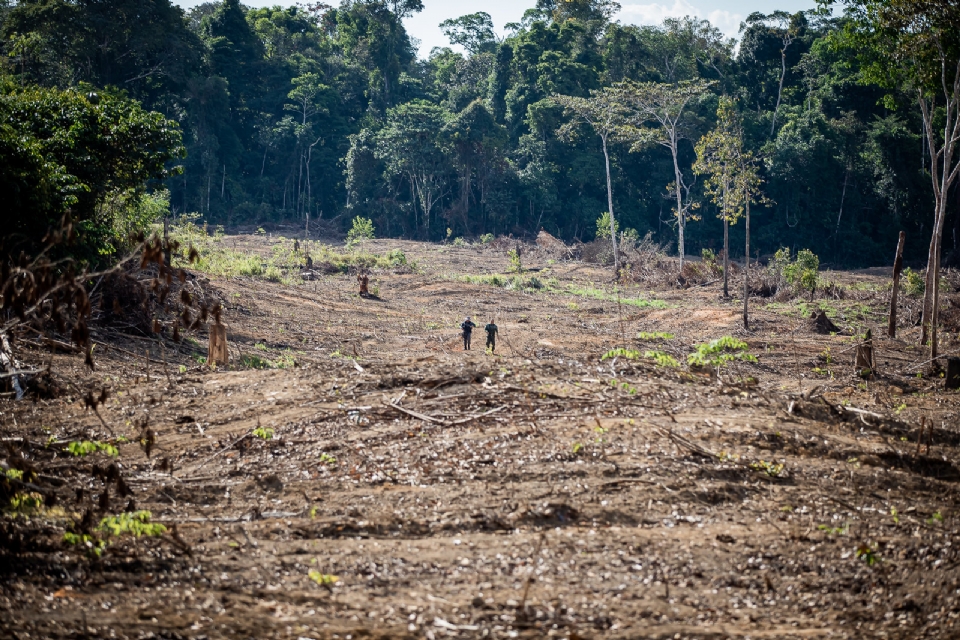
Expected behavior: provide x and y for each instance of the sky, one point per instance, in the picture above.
(726, 15)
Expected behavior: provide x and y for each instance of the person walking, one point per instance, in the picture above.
(491, 330)
(468, 326)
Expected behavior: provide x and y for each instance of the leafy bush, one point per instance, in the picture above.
(719, 352)
(603, 225)
(914, 283)
(361, 230)
(397, 258)
(662, 359)
(802, 273)
(82, 448)
(486, 238)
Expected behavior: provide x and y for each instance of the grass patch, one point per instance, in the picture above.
(286, 260)
(600, 294)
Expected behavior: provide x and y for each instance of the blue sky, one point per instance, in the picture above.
(726, 15)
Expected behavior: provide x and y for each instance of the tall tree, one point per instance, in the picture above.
(659, 115)
(474, 32)
(917, 44)
(604, 112)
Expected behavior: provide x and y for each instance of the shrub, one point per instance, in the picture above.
(362, 229)
(603, 225)
(486, 238)
(914, 284)
(719, 352)
(802, 273)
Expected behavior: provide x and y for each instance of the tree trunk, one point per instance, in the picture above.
(681, 218)
(864, 357)
(613, 224)
(895, 294)
(726, 257)
(746, 272)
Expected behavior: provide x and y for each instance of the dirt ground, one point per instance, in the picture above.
(412, 489)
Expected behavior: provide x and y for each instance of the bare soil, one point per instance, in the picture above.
(537, 492)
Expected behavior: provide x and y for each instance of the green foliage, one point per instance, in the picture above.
(662, 359)
(628, 354)
(486, 238)
(323, 579)
(91, 153)
(360, 230)
(603, 225)
(772, 469)
(717, 353)
(82, 448)
(136, 524)
(264, 433)
(913, 283)
(868, 554)
(516, 265)
(801, 272)
(655, 335)
(326, 458)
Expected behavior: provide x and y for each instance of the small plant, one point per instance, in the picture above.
(273, 274)
(26, 503)
(895, 515)
(655, 335)
(709, 257)
(82, 448)
(459, 242)
(264, 433)
(628, 354)
(936, 518)
(717, 353)
(362, 229)
(577, 448)
(323, 579)
(772, 469)
(834, 531)
(913, 283)
(603, 226)
(136, 524)
(868, 554)
(726, 456)
(801, 272)
(326, 458)
(397, 258)
(516, 264)
(662, 359)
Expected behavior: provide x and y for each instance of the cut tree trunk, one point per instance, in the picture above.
(895, 294)
(864, 358)
(217, 350)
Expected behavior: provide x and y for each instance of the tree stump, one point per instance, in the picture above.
(864, 358)
(217, 351)
(952, 380)
(895, 293)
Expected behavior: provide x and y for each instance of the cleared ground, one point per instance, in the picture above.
(538, 492)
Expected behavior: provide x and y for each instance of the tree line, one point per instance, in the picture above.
(318, 113)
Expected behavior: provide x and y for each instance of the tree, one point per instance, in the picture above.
(917, 45)
(410, 145)
(658, 115)
(474, 32)
(605, 113)
(74, 149)
(717, 154)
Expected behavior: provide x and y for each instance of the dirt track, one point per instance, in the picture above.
(540, 492)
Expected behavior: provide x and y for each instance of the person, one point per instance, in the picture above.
(364, 285)
(468, 326)
(491, 330)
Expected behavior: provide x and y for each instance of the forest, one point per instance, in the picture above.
(314, 115)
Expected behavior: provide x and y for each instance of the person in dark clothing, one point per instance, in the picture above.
(468, 326)
(491, 330)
